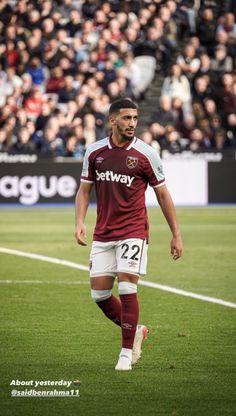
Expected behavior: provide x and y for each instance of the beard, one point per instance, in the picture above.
(126, 134)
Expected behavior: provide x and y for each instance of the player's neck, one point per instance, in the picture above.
(119, 140)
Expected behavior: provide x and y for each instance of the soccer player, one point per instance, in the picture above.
(121, 166)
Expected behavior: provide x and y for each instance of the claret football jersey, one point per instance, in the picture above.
(121, 176)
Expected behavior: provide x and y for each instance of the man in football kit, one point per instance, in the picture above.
(121, 166)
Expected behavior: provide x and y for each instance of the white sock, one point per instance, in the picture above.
(127, 352)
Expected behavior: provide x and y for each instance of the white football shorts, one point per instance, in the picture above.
(127, 256)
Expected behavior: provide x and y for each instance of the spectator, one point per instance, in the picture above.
(36, 71)
(161, 119)
(197, 140)
(6, 12)
(80, 145)
(229, 26)
(56, 81)
(21, 119)
(10, 128)
(195, 42)
(66, 8)
(188, 8)
(220, 139)
(82, 103)
(70, 146)
(164, 115)
(23, 62)
(116, 35)
(68, 91)
(229, 99)
(89, 35)
(205, 127)
(113, 91)
(171, 143)
(206, 30)
(210, 109)
(12, 54)
(48, 29)
(46, 9)
(88, 9)
(214, 5)
(202, 89)
(9, 81)
(95, 89)
(34, 20)
(89, 129)
(81, 51)
(33, 104)
(27, 84)
(147, 137)
(170, 26)
(216, 124)
(51, 144)
(198, 111)
(109, 74)
(178, 86)
(205, 65)
(189, 62)
(74, 25)
(100, 119)
(131, 37)
(133, 73)
(43, 117)
(34, 43)
(177, 111)
(52, 54)
(124, 85)
(221, 63)
(186, 127)
(24, 144)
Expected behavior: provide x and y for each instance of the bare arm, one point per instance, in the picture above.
(168, 209)
(81, 206)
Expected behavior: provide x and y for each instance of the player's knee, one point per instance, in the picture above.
(99, 295)
(127, 288)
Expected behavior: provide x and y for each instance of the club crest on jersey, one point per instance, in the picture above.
(131, 162)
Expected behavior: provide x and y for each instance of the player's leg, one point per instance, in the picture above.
(101, 293)
(127, 287)
(131, 261)
(102, 276)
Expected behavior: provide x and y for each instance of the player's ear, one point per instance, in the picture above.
(112, 119)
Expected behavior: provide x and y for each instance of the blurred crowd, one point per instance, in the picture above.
(63, 62)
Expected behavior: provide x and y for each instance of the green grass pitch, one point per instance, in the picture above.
(53, 331)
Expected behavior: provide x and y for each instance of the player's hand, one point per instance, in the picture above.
(176, 247)
(81, 235)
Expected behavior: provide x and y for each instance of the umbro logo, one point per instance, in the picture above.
(126, 325)
(99, 159)
(132, 263)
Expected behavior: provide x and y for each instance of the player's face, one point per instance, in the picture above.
(124, 123)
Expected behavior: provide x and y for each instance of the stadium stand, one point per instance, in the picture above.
(63, 62)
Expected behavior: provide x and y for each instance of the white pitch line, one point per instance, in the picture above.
(43, 282)
(44, 258)
(188, 294)
(85, 268)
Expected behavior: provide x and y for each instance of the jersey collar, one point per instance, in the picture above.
(127, 146)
